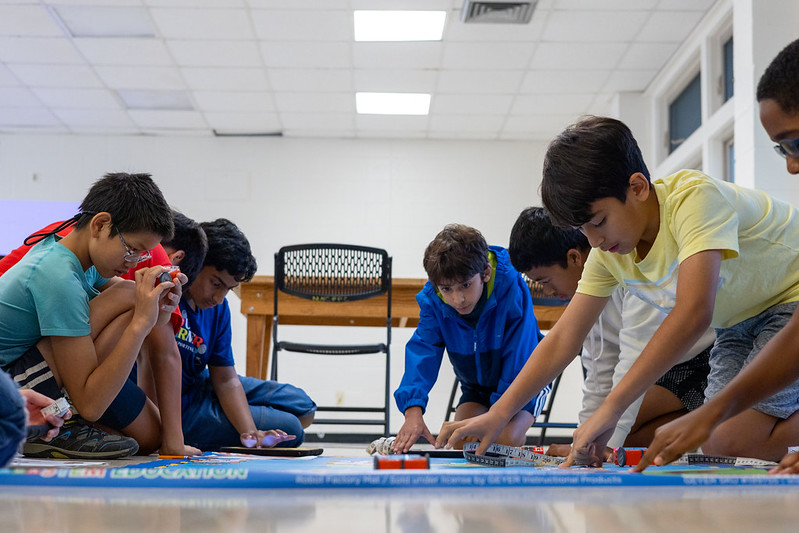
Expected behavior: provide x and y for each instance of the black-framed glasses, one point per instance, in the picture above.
(131, 256)
(788, 148)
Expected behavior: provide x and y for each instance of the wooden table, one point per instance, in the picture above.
(257, 304)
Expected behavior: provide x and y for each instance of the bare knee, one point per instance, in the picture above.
(307, 420)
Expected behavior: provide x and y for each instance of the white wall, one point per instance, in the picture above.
(392, 194)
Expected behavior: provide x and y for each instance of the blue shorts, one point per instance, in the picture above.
(736, 346)
(482, 396)
(273, 406)
(30, 371)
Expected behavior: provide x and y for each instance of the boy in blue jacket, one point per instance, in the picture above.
(477, 307)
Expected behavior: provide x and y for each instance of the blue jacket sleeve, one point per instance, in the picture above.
(423, 355)
(521, 337)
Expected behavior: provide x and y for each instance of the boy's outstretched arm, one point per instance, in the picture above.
(682, 327)
(228, 389)
(775, 367)
(553, 354)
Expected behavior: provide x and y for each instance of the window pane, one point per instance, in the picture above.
(728, 79)
(685, 114)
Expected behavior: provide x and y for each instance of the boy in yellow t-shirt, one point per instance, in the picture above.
(700, 249)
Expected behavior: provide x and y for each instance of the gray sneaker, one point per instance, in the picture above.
(79, 440)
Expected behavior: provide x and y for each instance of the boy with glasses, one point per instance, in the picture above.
(69, 320)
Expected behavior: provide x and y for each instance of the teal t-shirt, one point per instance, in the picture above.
(46, 294)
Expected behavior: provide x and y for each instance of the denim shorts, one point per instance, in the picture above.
(736, 346)
(273, 406)
(30, 371)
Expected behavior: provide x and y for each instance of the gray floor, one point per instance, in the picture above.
(39, 509)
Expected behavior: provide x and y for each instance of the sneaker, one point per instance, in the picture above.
(79, 440)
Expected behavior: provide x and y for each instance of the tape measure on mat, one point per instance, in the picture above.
(500, 455)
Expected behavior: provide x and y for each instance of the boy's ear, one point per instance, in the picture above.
(487, 274)
(176, 257)
(640, 186)
(575, 257)
(99, 222)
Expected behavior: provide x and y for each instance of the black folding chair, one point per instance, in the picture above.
(336, 274)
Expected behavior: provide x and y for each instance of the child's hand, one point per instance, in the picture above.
(149, 295)
(411, 430)
(265, 439)
(34, 402)
(788, 465)
(485, 428)
(677, 437)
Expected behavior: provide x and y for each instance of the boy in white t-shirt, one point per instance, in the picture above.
(554, 257)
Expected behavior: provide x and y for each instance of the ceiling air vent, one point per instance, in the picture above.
(498, 12)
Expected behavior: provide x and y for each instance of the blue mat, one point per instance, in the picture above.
(218, 470)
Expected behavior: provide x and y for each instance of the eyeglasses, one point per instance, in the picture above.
(131, 256)
(788, 148)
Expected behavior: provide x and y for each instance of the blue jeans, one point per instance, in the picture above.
(12, 418)
(273, 406)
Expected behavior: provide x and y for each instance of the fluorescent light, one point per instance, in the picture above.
(392, 103)
(399, 25)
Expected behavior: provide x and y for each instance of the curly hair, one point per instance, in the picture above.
(457, 253)
(229, 249)
(780, 81)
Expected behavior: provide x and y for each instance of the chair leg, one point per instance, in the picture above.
(450, 407)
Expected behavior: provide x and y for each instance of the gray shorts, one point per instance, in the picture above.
(737, 345)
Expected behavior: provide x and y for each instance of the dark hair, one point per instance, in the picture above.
(229, 249)
(190, 238)
(535, 241)
(780, 81)
(590, 160)
(134, 201)
(456, 254)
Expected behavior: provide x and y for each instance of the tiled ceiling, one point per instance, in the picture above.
(292, 67)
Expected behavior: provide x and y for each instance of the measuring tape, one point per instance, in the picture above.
(500, 455)
(702, 459)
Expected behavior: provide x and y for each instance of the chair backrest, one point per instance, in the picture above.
(332, 272)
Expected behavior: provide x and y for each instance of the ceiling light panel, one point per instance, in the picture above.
(392, 103)
(105, 21)
(399, 25)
